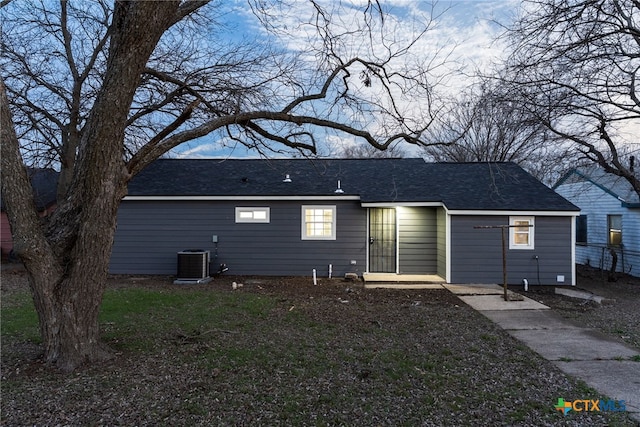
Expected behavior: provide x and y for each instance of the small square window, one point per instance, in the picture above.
(521, 233)
(318, 222)
(253, 214)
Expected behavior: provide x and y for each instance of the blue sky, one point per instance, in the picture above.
(465, 30)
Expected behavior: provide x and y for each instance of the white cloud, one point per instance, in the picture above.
(459, 40)
(461, 32)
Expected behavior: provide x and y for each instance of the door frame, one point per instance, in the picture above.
(396, 238)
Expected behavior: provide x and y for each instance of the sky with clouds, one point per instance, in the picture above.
(462, 31)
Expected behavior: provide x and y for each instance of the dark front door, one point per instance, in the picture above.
(382, 240)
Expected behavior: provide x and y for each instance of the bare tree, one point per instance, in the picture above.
(103, 90)
(366, 151)
(486, 126)
(574, 67)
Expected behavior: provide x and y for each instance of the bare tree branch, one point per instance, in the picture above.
(101, 90)
(574, 67)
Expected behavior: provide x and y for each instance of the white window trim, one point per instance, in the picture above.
(247, 214)
(513, 231)
(304, 235)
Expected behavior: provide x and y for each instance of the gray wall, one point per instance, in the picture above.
(477, 253)
(150, 233)
(442, 242)
(417, 243)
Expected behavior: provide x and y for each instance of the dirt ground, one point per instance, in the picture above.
(363, 357)
(618, 315)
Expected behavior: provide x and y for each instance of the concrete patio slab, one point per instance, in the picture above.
(574, 344)
(385, 285)
(581, 295)
(392, 277)
(602, 362)
(497, 302)
(529, 320)
(619, 380)
(475, 289)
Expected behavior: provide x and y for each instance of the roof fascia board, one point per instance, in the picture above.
(512, 213)
(238, 198)
(401, 204)
(564, 178)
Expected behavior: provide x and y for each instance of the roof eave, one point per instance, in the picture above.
(239, 197)
(503, 212)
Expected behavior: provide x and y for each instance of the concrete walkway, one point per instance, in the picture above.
(603, 363)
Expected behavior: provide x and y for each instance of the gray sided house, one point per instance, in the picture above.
(384, 219)
(608, 227)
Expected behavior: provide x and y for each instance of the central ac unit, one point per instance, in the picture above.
(193, 264)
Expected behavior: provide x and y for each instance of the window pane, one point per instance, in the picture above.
(615, 221)
(326, 229)
(521, 238)
(252, 214)
(581, 229)
(314, 229)
(521, 233)
(318, 222)
(615, 229)
(615, 238)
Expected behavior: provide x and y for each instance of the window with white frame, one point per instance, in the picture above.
(521, 232)
(318, 222)
(253, 214)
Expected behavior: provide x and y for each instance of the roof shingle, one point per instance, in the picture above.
(460, 186)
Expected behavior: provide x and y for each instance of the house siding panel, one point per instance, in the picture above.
(442, 242)
(476, 255)
(417, 245)
(596, 204)
(150, 233)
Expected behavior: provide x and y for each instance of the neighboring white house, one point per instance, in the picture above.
(608, 228)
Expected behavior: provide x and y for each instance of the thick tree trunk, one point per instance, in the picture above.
(67, 275)
(68, 278)
(99, 183)
(68, 260)
(67, 263)
(68, 311)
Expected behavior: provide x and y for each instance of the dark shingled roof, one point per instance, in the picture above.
(473, 186)
(44, 182)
